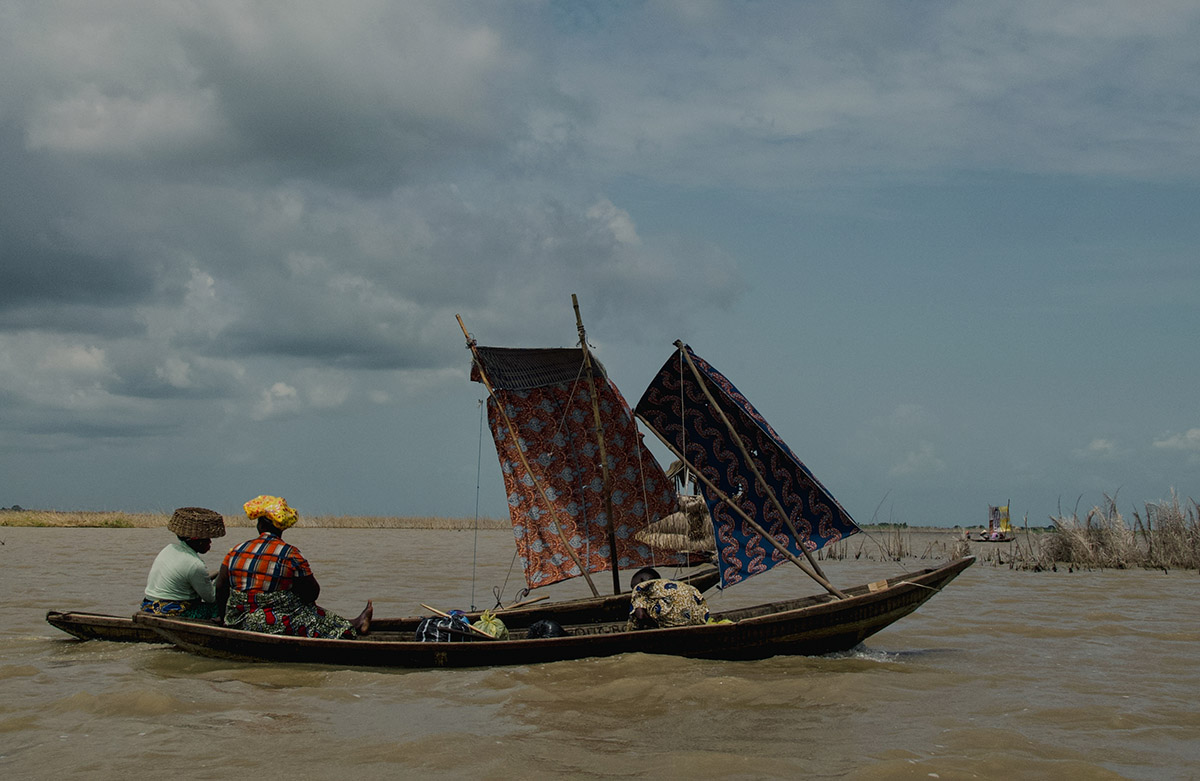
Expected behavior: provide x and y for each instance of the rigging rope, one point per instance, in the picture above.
(645, 496)
(499, 590)
(478, 473)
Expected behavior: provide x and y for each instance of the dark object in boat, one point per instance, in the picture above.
(547, 627)
(442, 629)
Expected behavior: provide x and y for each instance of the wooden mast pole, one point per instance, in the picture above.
(746, 455)
(512, 431)
(724, 497)
(606, 478)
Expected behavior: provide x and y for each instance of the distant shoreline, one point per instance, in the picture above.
(123, 520)
(1103, 541)
(120, 520)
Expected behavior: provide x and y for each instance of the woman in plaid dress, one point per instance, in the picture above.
(267, 586)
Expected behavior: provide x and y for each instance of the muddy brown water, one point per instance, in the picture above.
(1004, 675)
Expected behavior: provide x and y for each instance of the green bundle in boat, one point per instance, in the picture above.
(488, 622)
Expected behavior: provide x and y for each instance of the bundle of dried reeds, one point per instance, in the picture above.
(689, 530)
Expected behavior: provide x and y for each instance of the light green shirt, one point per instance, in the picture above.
(178, 573)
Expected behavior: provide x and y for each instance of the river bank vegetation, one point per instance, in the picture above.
(1164, 535)
(123, 520)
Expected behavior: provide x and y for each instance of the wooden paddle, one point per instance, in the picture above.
(516, 605)
(473, 628)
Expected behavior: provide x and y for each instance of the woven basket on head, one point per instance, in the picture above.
(689, 530)
(197, 523)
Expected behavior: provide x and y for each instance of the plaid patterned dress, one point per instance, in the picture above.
(261, 574)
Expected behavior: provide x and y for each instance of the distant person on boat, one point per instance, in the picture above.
(656, 602)
(266, 585)
(179, 584)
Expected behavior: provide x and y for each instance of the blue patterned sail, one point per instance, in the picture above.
(676, 407)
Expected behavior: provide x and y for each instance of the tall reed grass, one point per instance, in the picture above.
(1167, 536)
(894, 542)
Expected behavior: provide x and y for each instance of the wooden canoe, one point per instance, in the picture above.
(98, 626)
(585, 610)
(812, 625)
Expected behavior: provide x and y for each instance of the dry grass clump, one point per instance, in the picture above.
(1102, 540)
(1172, 534)
(1168, 536)
(97, 520)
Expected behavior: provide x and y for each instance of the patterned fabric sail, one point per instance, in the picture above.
(675, 406)
(547, 398)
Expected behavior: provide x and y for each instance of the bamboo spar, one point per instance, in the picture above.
(749, 462)
(606, 480)
(521, 453)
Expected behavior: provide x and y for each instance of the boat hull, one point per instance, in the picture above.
(98, 626)
(585, 610)
(813, 625)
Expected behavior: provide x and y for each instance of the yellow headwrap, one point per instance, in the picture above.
(275, 508)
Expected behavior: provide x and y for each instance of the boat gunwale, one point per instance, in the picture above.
(647, 640)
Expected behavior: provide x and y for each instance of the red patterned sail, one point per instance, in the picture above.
(547, 400)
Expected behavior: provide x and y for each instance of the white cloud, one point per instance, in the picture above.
(73, 359)
(1188, 440)
(279, 399)
(216, 196)
(617, 221)
(325, 389)
(176, 372)
(1098, 448)
(959, 86)
(921, 462)
(93, 123)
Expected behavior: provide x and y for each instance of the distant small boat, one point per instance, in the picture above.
(998, 529)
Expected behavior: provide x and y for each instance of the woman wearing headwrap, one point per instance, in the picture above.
(179, 584)
(656, 602)
(267, 586)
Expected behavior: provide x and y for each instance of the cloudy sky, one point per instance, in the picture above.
(950, 250)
